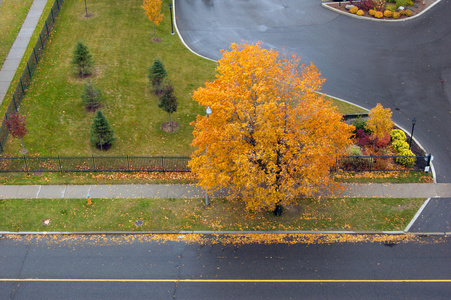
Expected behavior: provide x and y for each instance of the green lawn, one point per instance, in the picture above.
(12, 15)
(191, 214)
(118, 36)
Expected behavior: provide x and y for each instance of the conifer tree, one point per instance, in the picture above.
(102, 135)
(157, 73)
(91, 97)
(168, 101)
(82, 60)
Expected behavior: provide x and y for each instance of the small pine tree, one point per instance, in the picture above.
(168, 101)
(102, 135)
(91, 97)
(16, 125)
(82, 60)
(157, 73)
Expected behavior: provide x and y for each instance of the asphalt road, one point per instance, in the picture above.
(436, 217)
(132, 267)
(405, 66)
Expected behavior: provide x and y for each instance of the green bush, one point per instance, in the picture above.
(361, 163)
(400, 146)
(91, 97)
(406, 158)
(82, 60)
(360, 124)
(157, 73)
(401, 3)
(102, 135)
(398, 135)
(391, 7)
(354, 150)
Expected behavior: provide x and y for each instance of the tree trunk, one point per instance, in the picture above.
(278, 210)
(154, 33)
(86, 8)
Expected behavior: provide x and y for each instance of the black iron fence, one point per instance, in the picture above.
(27, 74)
(384, 163)
(180, 164)
(94, 164)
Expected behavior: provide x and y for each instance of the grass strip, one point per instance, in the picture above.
(191, 214)
(26, 57)
(118, 35)
(186, 177)
(13, 14)
(384, 177)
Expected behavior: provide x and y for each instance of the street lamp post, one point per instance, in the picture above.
(207, 200)
(414, 120)
(172, 25)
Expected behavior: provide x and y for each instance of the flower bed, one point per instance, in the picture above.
(417, 7)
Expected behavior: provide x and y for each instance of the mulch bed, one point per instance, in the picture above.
(422, 5)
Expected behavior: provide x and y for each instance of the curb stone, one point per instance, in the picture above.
(5, 233)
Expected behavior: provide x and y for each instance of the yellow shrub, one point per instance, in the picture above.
(372, 12)
(360, 12)
(378, 14)
(354, 9)
(407, 12)
(388, 13)
(396, 15)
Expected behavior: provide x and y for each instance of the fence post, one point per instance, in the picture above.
(47, 28)
(21, 85)
(61, 168)
(26, 165)
(162, 164)
(29, 72)
(128, 164)
(93, 162)
(51, 12)
(35, 56)
(42, 44)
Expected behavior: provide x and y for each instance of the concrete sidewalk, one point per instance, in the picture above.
(405, 190)
(19, 46)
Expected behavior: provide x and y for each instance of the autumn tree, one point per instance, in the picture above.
(152, 9)
(380, 124)
(271, 138)
(82, 60)
(102, 135)
(168, 103)
(16, 125)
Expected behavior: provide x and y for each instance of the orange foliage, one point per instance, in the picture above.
(152, 9)
(221, 239)
(380, 123)
(270, 137)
